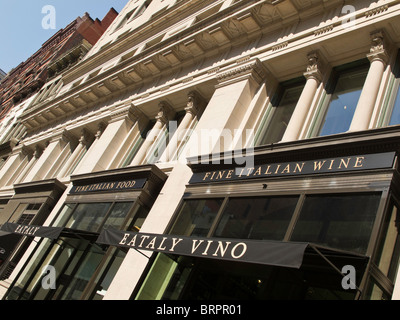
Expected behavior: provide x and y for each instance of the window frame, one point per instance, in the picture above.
(273, 106)
(325, 100)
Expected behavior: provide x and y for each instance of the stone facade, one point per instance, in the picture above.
(179, 84)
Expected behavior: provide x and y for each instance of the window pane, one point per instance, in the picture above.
(108, 273)
(395, 118)
(118, 215)
(196, 217)
(257, 218)
(338, 221)
(282, 114)
(64, 214)
(88, 216)
(343, 101)
(388, 252)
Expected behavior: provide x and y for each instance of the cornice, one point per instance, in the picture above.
(219, 32)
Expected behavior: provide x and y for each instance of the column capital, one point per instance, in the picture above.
(86, 137)
(37, 151)
(100, 129)
(136, 114)
(314, 66)
(165, 112)
(378, 51)
(195, 104)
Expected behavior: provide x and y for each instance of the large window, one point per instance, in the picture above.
(83, 269)
(279, 114)
(343, 93)
(394, 98)
(340, 221)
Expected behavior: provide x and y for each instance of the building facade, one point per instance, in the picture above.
(2, 74)
(32, 82)
(215, 150)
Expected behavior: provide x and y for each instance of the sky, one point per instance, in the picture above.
(26, 24)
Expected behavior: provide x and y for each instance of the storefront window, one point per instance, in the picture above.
(88, 217)
(344, 93)
(338, 221)
(83, 269)
(388, 254)
(196, 217)
(257, 218)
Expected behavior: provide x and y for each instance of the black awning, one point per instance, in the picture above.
(4, 233)
(32, 231)
(274, 253)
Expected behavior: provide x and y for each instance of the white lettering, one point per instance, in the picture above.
(194, 246)
(244, 249)
(175, 242)
(123, 241)
(220, 248)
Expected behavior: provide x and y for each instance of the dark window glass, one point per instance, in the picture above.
(196, 217)
(282, 112)
(344, 95)
(88, 216)
(388, 253)
(339, 221)
(395, 117)
(118, 215)
(257, 218)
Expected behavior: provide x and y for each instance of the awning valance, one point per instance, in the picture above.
(31, 230)
(274, 253)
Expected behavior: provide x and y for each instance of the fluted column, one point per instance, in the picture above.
(314, 78)
(365, 107)
(193, 108)
(163, 116)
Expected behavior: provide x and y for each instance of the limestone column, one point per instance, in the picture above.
(14, 164)
(365, 107)
(105, 147)
(48, 158)
(314, 78)
(164, 115)
(193, 109)
(84, 143)
(36, 155)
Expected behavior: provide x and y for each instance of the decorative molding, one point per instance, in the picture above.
(378, 48)
(165, 112)
(280, 46)
(195, 104)
(86, 137)
(323, 30)
(376, 11)
(314, 66)
(250, 70)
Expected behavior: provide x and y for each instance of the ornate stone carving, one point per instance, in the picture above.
(254, 69)
(314, 66)
(195, 103)
(378, 47)
(165, 112)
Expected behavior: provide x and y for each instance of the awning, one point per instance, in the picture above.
(273, 253)
(31, 230)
